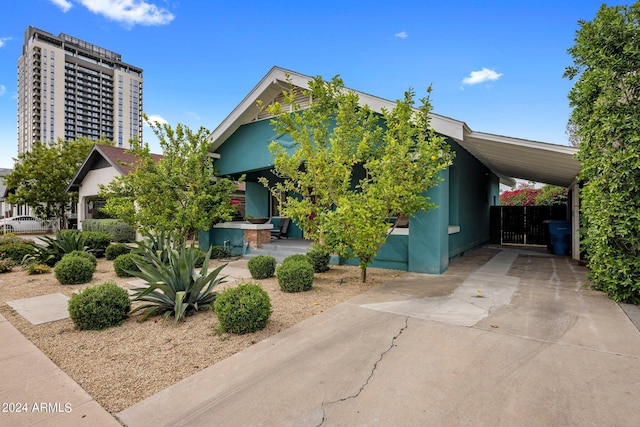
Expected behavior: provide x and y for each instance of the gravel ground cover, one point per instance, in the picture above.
(123, 365)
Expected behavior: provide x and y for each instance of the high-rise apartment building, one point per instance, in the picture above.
(68, 88)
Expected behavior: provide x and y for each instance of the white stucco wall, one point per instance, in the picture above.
(90, 186)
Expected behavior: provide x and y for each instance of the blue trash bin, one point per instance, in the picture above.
(559, 237)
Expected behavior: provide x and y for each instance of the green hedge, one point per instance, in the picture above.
(16, 251)
(120, 231)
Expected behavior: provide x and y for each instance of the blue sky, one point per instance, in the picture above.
(496, 65)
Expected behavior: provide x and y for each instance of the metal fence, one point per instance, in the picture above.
(20, 225)
(523, 225)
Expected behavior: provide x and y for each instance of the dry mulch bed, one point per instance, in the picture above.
(123, 365)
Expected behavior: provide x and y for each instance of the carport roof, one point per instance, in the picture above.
(506, 156)
(521, 158)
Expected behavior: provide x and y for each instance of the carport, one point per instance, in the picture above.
(533, 161)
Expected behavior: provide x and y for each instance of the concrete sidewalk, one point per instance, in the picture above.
(34, 391)
(529, 345)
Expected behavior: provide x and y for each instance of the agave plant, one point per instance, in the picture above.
(53, 249)
(175, 288)
(157, 244)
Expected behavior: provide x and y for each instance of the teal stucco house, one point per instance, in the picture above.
(470, 187)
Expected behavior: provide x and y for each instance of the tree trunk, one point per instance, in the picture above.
(363, 274)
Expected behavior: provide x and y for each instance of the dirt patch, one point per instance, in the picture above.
(123, 365)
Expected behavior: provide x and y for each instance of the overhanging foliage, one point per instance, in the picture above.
(351, 168)
(606, 119)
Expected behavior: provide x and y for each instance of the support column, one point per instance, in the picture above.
(429, 233)
(256, 200)
(575, 220)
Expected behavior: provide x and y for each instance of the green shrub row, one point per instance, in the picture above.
(16, 251)
(120, 231)
(11, 238)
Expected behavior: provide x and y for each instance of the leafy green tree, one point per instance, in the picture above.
(40, 177)
(606, 121)
(350, 169)
(178, 193)
(552, 195)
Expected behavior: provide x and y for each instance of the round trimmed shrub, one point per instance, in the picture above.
(218, 252)
(16, 251)
(319, 260)
(243, 309)
(86, 255)
(262, 267)
(73, 270)
(295, 276)
(96, 242)
(126, 262)
(99, 307)
(297, 258)
(116, 249)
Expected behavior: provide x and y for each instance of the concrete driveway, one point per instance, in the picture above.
(506, 337)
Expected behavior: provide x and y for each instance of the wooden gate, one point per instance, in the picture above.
(523, 225)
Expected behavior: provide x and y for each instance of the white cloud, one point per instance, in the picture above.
(481, 76)
(64, 5)
(3, 90)
(155, 118)
(3, 40)
(131, 12)
(194, 115)
(402, 35)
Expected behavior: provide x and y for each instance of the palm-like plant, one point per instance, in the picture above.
(175, 287)
(53, 250)
(160, 243)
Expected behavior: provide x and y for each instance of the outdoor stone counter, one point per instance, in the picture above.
(255, 234)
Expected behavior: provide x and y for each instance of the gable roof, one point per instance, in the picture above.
(507, 157)
(119, 158)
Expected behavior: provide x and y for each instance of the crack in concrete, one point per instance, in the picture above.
(373, 369)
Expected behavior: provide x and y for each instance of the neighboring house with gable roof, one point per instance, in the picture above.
(101, 166)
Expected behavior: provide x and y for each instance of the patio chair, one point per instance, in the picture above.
(281, 229)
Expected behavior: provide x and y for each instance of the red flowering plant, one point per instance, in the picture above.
(520, 197)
